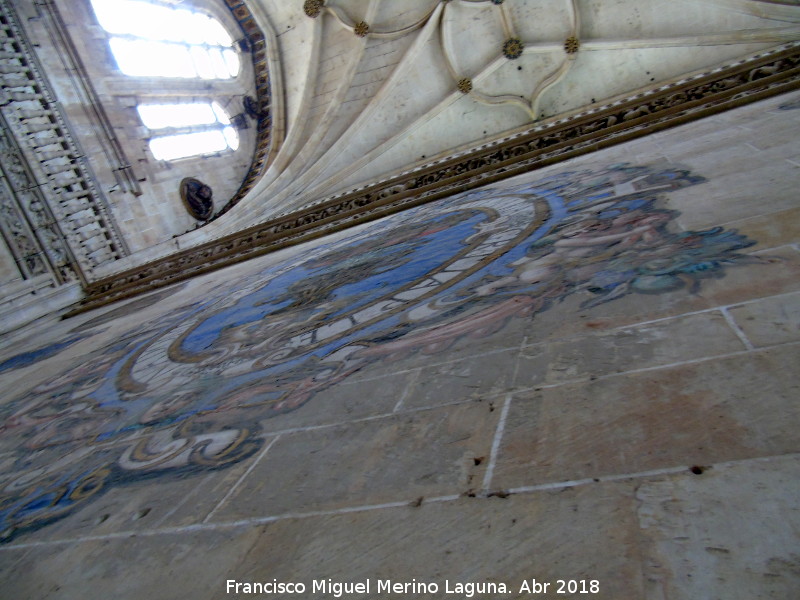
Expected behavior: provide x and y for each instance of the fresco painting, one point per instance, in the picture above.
(31, 357)
(127, 308)
(186, 392)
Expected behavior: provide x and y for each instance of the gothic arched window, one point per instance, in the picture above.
(153, 40)
(195, 128)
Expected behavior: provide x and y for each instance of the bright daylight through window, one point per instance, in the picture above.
(215, 138)
(151, 40)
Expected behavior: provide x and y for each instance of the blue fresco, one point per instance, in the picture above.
(204, 377)
(25, 359)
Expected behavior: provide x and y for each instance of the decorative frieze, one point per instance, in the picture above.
(28, 225)
(42, 154)
(261, 105)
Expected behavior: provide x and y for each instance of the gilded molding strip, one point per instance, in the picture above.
(264, 139)
(762, 76)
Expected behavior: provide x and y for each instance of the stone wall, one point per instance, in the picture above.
(581, 373)
(100, 103)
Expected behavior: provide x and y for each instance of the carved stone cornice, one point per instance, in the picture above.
(27, 223)
(756, 78)
(52, 158)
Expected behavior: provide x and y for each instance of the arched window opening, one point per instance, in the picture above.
(194, 129)
(151, 40)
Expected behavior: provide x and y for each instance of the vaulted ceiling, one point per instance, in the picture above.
(371, 88)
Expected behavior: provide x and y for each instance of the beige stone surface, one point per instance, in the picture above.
(480, 540)
(605, 352)
(731, 531)
(770, 272)
(771, 230)
(774, 320)
(485, 376)
(348, 401)
(401, 458)
(694, 414)
(129, 567)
